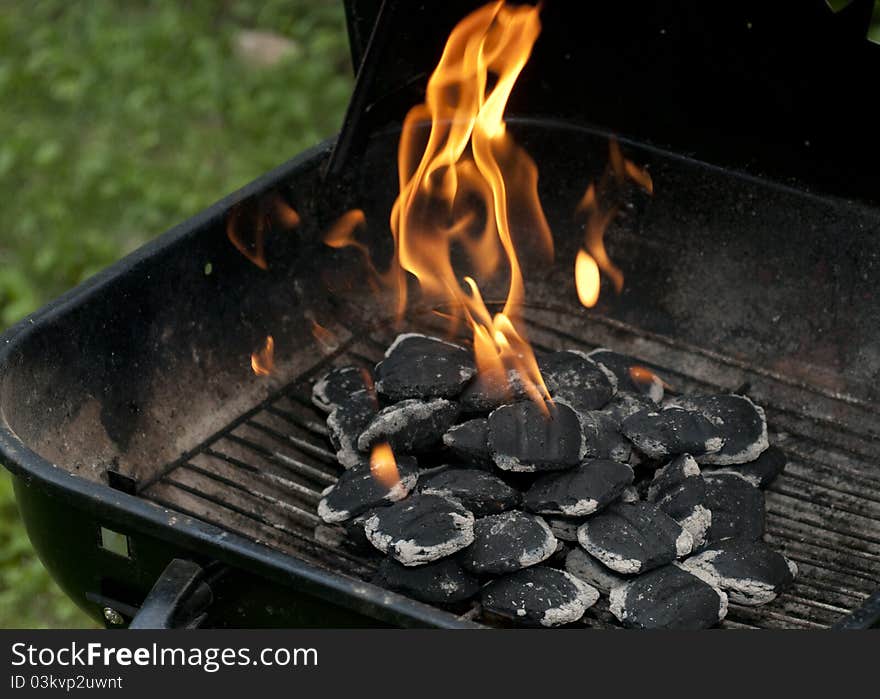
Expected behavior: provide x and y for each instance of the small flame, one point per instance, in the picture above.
(246, 226)
(601, 204)
(324, 337)
(467, 184)
(586, 277)
(383, 465)
(263, 360)
(642, 375)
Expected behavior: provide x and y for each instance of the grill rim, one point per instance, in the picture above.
(136, 515)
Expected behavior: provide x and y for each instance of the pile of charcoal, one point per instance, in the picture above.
(612, 493)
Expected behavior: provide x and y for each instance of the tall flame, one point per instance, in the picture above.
(466, 183)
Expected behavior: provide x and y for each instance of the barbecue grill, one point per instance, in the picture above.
(160, 480)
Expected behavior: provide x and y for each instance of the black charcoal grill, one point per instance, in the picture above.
(144, 449)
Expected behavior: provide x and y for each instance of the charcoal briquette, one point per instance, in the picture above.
(621, 366)
(623, 404)
(488, 391)
(539, 596)
(420, 529)
(469, 441)
(602, 437)
(671, 431)
(668, 598)
(762, 471)
(750, 572)
(440, 582)
(346, 423)
(358, 490)
(680, 491)
(507, 542)
(527, 437)
(633, 538)
(418, 366)
(580, 491)
(480, 492)
(738, 421)
(335, 387)
(564, 528)
(411, 425)
(584, 567)
(576, 380)
(737, 508)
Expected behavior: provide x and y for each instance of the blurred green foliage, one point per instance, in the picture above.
(120, 119)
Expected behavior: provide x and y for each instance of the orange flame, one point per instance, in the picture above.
(600, 213)
(246, 226)
(465, 183)
(263, 360)
(642, 375)
(324, 337)
(383, 465)
(586, 276)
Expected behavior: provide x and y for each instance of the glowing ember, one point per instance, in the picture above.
(586, 276)
(263, 360)
(466, 183)
(640, 374)
(383, 465)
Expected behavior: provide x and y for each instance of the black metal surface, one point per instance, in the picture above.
(776, 88)
(178, 599)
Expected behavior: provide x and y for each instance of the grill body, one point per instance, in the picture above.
(141, 379)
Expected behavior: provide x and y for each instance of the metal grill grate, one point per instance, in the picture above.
(261, 477)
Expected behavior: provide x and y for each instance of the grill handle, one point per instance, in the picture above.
(178, 599)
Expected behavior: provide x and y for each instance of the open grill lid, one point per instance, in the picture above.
(775, 88)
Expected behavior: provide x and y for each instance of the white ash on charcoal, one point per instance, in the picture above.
(680, 491)
(527, 437)
(750, 572)
(634, 538)
(584, 567)
(762, 471)
(358, 490)
(671, 431)
(738, 421)
(418, 366)
(622, 405)
(668, 598)
(478, 491)
(539, 596)
(440, 582)
(602, 437)
(580, 491)
(573, 378)
(335, 387)
(630, 374)
(737, 508)
(420, 529)
(412, 425)
(630, 494)
(346, 423)
(507, 542)
(469, 441)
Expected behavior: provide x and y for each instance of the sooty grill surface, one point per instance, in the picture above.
(262, 476)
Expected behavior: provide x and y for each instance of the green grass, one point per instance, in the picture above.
(118, 120)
